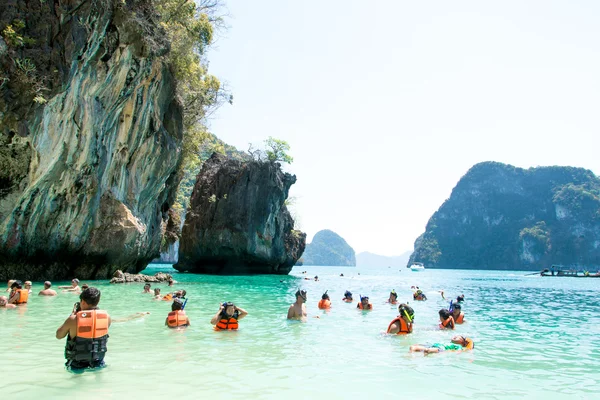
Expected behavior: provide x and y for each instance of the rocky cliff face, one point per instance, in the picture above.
(96, 159)
(329, 248)
(237, 222)
(503, 217)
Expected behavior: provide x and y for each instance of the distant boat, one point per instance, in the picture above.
(559, 272)
(417, 266)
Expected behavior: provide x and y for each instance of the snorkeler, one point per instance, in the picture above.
(298, 309)
(18, 295)
(226, 319)
(73, 288)
(177, 317)
(393, 299)
(86, 330)
(5, 304)
(459, 343)
(348, 297)
(325, 302)
(47, 291)
(446, 320)
(403, 323)
(457, 314)
(418, 295)
(364, 303)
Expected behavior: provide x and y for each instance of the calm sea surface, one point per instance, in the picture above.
(534, 338)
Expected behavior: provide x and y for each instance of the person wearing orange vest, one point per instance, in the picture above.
(226, 319)
(325, 302)
(364, 303)
(457, 314)
(86, 330)
(177, 317)
(459, 343)
(446, 320)
(18, 295)
(403, 323)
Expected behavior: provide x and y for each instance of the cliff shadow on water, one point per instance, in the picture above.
(91, 138)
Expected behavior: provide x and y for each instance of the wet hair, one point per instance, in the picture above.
(301, 293)
(28, 283)
(444, 313)
(183, 293)
(325, 296)
(17, 285)
(91, 295)
(456, 306)
(348, 294)
(75, 280)
(177, 305)
(84, 286)
(47, 285)
(147, 285)
(408, 309)
(157, 291)
(460, 298)
(393, 293)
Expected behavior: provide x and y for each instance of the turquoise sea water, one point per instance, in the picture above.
(535, 338)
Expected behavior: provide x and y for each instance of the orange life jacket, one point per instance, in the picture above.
(23, 296)
(176, 319)
(168, 297)
(324, 304)
(404, 327)
(448, 323)
(92, 324)
(459, 319)
(226, 324)
(369, 306)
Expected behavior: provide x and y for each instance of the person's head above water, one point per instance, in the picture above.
(406, 312)
(325, 296)
(147, 286)
(75, 282)
(3, 301)
(463, 341)
(393, 294)
(47, 285)
(16, 285)
(156, 291)
(460, 298)
(228, 308)
(177, 305)
(444, 314)
(91, 296)
(348, 294)
(28, 284)
(301, 294)
(364, 299)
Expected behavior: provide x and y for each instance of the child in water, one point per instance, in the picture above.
(459, 343)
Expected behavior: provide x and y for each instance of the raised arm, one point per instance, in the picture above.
(242, 313)
(215, 319)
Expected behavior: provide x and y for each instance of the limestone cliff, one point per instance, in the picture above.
(329, 248)
(93, 158)
(237, 222)
(502, 217)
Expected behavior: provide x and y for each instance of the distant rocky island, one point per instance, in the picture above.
(503, 217)
(329, 248)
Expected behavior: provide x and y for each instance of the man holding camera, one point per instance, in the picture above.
(86, 330)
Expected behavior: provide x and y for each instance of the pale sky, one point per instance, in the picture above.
(387, 104)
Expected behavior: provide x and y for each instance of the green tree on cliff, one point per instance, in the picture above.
(276, 150)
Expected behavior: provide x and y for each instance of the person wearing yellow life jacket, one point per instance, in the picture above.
(86, 330)
(403, 323)
(18, 295)
(226, 319)
(348, 297)
(393, 299)
(457, 314)
(364, 303)
(325, 302)
(446, 320)
(177, 317)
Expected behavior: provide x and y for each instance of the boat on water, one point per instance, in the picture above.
(557, 271)
(417, 266)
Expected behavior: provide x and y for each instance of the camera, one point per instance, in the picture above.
(76, 307)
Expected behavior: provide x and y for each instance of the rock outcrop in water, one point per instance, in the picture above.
(237, 222)
(329, 248)
(502, 217)
(124, 277)
(90, 164)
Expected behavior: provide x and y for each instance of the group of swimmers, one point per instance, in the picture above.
(86, 329)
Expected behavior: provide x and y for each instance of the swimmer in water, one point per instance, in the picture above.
(147, 288)
(459, 343)
(446, 320)
(325, 302)
(27, 286)
(4, 303)
(73, 288)
(177, 317)
(457, 314)
(47, 291)
(403, 323)
(393, 299)
(364, 303)
(157, 295)
(348, 297)
(298, 309)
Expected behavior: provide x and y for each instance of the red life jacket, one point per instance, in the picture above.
(404, 327)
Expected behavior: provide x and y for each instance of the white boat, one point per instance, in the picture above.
(417, 266)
